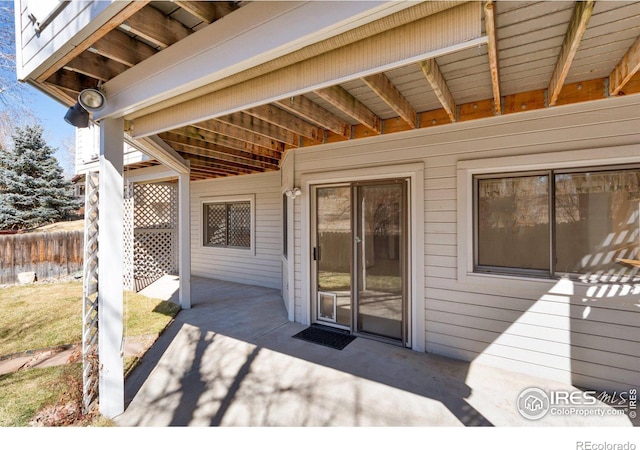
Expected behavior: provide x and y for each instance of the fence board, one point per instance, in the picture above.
(49, 255)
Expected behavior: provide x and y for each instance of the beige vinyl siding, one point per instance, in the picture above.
(261, 266)
(587, 335)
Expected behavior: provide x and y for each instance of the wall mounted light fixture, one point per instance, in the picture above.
(293, 193)
(89, 100)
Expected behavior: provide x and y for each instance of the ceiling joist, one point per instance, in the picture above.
(579, 20)
(208, 12)
(258, 126)
(314, 113)
(288, 121)
(625, 70)
(121, 47)
(432, 73)
(492, 49)
(241, 134)
(351, 106)
(153, 26)
(385, 89)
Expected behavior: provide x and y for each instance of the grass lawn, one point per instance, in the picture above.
(46, 315)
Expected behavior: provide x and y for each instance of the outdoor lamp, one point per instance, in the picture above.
(77, 116)
(293, 193)
(92, 100)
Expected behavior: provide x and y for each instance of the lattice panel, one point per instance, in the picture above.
(90, 363)
(216, 224)
(239, 224)
(128, 237)
(156, 205)
(155, 253)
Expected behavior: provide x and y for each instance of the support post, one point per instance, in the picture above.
(184, 240)
(110, 275)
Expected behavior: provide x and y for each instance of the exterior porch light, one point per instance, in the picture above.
(92, 100)
(77, 116)
(293, 193)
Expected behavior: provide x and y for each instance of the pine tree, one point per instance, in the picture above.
(33, 190)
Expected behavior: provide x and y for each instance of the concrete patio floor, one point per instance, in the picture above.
(231, 360)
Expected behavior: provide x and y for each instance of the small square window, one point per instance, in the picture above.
(227, 224)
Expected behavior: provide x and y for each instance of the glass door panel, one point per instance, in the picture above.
(380, 238)
(333, 254)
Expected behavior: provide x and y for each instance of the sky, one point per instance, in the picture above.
(50, 114)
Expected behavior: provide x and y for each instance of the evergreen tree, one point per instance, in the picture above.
(33, 190)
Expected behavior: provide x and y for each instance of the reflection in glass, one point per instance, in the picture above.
(333, 250)
(513, 222)
(597, 216)
(380, 259)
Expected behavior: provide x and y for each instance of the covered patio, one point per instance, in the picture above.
(231, 360)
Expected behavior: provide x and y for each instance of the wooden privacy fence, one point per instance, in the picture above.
(49, 255)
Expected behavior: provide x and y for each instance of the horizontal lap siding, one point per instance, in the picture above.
(264, 268)
(583, 338)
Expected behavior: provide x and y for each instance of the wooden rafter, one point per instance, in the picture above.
(96, 66)
(208, 12)
(314, 113)
(581, 14)
(261, 127)
(386, 90)
(126, 12)
(432, 73)
(207, 139)
(351, 106)
(625, 69)
(153, 26)
(241, 134)
(492, 49)
(121, 47)
(188, 146)
(288, 121)
(71, 81)
(216, 162)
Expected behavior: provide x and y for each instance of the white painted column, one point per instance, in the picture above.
(111, 270)
(184, 240)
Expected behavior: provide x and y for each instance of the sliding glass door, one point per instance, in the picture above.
(359, 255)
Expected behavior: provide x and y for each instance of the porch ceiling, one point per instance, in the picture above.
(539, 55)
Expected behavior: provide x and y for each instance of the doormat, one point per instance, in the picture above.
(329, 337)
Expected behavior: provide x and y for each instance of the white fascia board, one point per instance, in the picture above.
(76, 23)
(252, 35)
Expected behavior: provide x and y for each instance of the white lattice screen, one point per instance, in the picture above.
(153, 230)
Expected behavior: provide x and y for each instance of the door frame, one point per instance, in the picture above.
(415, 273)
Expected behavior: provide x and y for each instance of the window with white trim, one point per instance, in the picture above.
(227, 224)
(581, 222)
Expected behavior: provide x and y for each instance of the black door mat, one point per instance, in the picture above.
(329, 337)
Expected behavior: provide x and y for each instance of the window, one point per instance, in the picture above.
(576, 222)
(227, 224)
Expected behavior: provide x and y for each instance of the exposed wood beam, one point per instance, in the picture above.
(210, 151)
(241, 134)
(159, 150)
(208, 12)
(386, 90)
(492, 49)
(314, 113)
(432, 73)
(215, 162)
(179, 138)
(72, 81)
(225, 141)
(261, 127)
(625, 69)
(581, 14)
(155, 27)
(288, 121)
(121, 47)
(96, 66)
(346, 102)
(126, 12)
